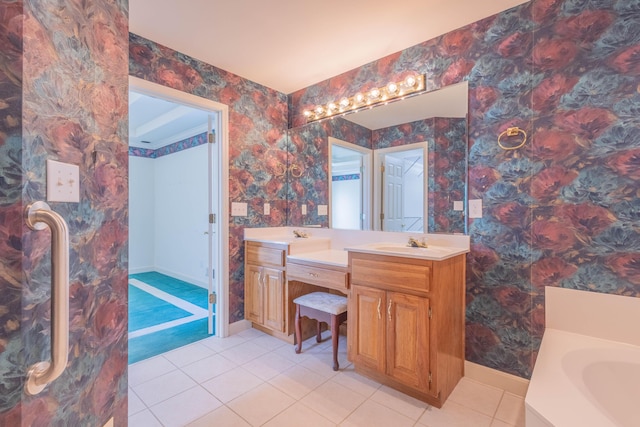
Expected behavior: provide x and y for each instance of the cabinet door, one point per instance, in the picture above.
(273, 294)
(367, 325)
(253, 294)
(408, 339)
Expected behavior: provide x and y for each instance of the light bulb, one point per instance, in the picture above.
(332, 107)
(319, 110)
(359, 98)
(374, 94)
(344, 102)
(410, 81)
(392, 88)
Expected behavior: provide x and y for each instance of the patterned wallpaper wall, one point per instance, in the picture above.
(63, 78)
(563, 210)
(257, 142)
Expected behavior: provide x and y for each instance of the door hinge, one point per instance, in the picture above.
(212, 298)
(382, 168)
(212, 218)
(210, 138)
(213, 274)
(381, 217)
(430, 313)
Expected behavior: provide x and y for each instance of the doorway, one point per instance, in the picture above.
(178, 180)
(401, 188)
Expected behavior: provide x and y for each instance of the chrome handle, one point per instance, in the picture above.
(313, 274)
(38, 216)
(389, 309)
(379, 302)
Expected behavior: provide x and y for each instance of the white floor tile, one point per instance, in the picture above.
(218, 344)
(270, 343)
(209, 367)
(498, 423)
(373, 414)
(333, 401)
(232, 384)
(356, 382)
(261, 404)
(149, 369)
(399, 402)
(188, 354)
(244, 352)
(299, 415)
(322, 363)
(185, 407)
(223, 417)
(135, 404)
(251, 333)
(297, 382)
(163, 387)
(453, 415)
(268, 365)
(477, 396)
(144, 419)
(511, 410)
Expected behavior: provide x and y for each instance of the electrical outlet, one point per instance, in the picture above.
(323, 210)
(63, 182)
(304, 209)
(457, 205)
(267, 209)
(475, 208)
(238, 209)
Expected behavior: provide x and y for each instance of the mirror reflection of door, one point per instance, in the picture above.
(349, 196)
(402, 189)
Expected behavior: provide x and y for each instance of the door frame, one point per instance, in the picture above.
(366, 154)
(378, 159)
(221, 227)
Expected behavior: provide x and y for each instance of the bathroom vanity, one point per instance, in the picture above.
(406, 306)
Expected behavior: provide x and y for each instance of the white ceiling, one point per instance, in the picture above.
(288, 45)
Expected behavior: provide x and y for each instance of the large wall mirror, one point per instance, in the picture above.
(401, 166)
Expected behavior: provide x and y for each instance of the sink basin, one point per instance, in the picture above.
(400, 249)
(410, 249)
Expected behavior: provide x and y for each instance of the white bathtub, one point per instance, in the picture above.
(582, 380)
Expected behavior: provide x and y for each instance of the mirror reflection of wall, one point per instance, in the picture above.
(437, 119)
(350, 186)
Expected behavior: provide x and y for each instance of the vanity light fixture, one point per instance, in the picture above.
(411, 84)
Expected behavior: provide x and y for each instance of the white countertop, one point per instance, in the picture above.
(333, 257)
(431, 252)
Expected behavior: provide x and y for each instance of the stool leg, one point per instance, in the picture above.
(319, 331)
(335, 335)
(298, 327)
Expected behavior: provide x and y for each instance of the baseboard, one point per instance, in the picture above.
(239, 326)
(140, 270)
(182, 277)
(489, 376)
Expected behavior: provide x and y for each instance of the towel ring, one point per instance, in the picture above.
(295, 171)
(514, 131)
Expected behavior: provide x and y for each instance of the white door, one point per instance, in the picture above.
(392, 196)
(213, 209)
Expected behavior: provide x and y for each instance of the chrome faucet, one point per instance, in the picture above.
(415, 243)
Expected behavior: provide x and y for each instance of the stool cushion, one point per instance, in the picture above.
(323, 301)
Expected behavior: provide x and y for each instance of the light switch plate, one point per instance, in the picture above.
(475, 208)
(457, 205)
(267, 209)
(63, 182)
(304, 209)
(238, 209)
(322, 210)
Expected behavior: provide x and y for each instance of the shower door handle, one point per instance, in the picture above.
(38, 216)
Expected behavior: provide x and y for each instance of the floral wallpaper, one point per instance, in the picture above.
(257, 141)
(562, 210)
(64, 97)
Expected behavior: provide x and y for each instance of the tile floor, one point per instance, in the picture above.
(252, 379)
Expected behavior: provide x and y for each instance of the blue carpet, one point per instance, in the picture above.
(146, 310)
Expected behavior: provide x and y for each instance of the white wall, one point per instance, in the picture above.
(346, 198)
(141, 214)
(181, 215)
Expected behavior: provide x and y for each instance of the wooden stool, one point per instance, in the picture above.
(323, 307)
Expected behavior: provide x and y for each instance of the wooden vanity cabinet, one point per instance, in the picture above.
(264, 285)
(406, 323)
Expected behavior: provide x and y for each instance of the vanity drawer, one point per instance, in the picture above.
(258, 254)
(391, 272)
(334, 279)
